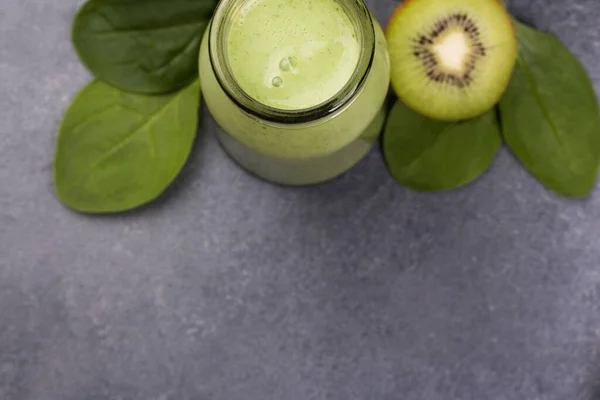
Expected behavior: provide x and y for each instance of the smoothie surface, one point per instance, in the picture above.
(292, 54)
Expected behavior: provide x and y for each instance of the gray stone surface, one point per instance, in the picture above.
(229, 288)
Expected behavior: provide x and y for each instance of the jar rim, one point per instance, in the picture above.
(358, 13)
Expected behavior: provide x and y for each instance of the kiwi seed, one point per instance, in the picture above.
(423, 50)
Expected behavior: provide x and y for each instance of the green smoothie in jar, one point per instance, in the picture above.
(297, 87)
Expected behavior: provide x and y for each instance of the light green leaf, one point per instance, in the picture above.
(431, 155)
(142, 46)
(116, 151)
(550, 117)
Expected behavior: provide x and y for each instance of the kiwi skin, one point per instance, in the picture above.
(451, 97)
(395, 13)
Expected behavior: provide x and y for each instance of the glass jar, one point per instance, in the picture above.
(305, 146)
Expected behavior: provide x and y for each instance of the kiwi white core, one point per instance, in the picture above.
(452, 51)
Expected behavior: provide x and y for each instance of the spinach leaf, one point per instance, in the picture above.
(431, 155)
(142, 46)
(116, 151)
(550, 117)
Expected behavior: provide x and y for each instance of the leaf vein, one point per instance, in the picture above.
(179, 53)
(116, 147)
(96, 113)
(553, 129)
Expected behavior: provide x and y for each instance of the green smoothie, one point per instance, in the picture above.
(292, 54)
(295, 56)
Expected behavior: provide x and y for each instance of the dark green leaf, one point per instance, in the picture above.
(550, 116)
(116, 151)
(142, 46)
(426, 154)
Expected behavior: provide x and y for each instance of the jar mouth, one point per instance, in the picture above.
(218, 29)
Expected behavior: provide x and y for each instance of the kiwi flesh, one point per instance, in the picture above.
(451, 59)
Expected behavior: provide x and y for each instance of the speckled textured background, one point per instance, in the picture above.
(229, 288)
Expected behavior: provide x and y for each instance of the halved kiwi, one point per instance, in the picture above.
(451, 59)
